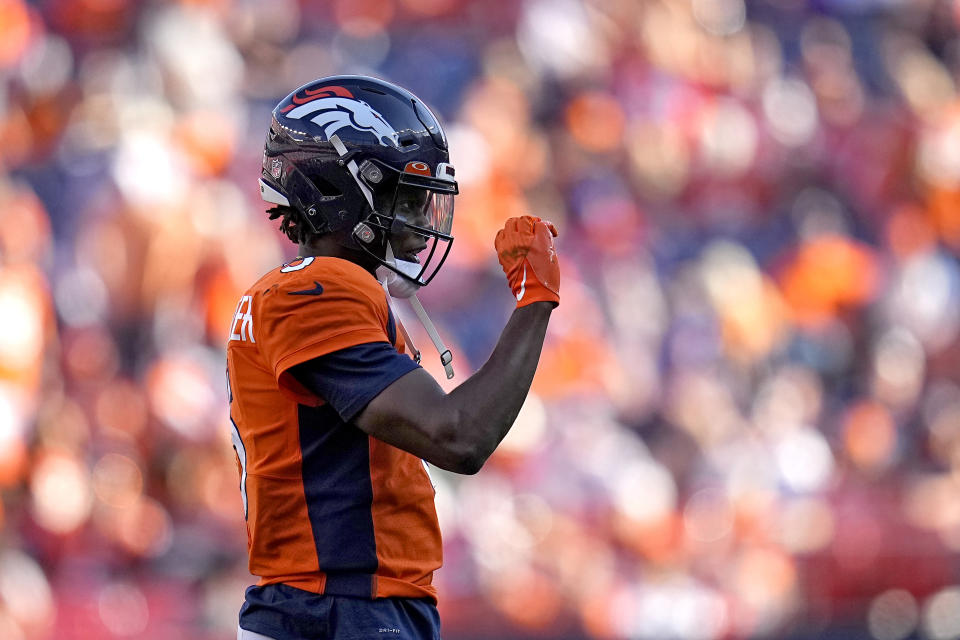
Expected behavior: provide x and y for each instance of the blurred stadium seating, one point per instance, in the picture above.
(747, 419)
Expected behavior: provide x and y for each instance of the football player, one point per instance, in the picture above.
(332, 422)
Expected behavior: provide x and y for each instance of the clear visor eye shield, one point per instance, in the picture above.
(422, 204)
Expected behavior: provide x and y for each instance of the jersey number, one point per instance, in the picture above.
(242, 457)
(239, 448)
(296, 265)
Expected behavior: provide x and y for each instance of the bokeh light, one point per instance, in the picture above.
(123, 609)
(941, 614)
(26, 593)
(805, 460)
(893, 615)
(15, 27)
(60, 487)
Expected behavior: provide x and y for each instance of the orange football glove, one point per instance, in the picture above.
(525, 249)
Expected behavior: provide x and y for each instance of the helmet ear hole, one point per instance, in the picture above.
(326, 188)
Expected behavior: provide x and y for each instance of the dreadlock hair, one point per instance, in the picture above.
(292, 223)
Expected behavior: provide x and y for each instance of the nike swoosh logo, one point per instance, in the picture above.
(317, 290)
(523, 284)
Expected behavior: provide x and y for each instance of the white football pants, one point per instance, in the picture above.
(243, 634)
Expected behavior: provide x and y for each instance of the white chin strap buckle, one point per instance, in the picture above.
(445, 356)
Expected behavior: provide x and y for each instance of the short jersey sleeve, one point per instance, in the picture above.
(350, 378)
(315, 307)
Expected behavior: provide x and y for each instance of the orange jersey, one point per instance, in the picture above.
(329, 509)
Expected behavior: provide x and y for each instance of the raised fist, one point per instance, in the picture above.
(526, 253)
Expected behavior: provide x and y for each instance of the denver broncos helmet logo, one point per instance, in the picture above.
(336, 108)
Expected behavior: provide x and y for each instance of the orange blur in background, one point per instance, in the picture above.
(746, 422)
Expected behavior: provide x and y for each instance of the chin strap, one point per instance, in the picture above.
(408, 341)
(446, 357)
(351, 166)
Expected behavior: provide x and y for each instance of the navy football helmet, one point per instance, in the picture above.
(363, 159)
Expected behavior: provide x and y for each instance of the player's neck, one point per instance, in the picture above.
(329, 247)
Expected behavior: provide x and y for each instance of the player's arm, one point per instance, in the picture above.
(458, 431)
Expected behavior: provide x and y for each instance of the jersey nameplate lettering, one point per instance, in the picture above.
(243, 318)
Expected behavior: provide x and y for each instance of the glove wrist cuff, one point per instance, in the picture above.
(536, 292)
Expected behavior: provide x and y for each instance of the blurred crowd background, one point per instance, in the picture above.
(746, 422)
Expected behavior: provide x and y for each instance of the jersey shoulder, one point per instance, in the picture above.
(318, 300)
(317, 276)
(310, 307)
